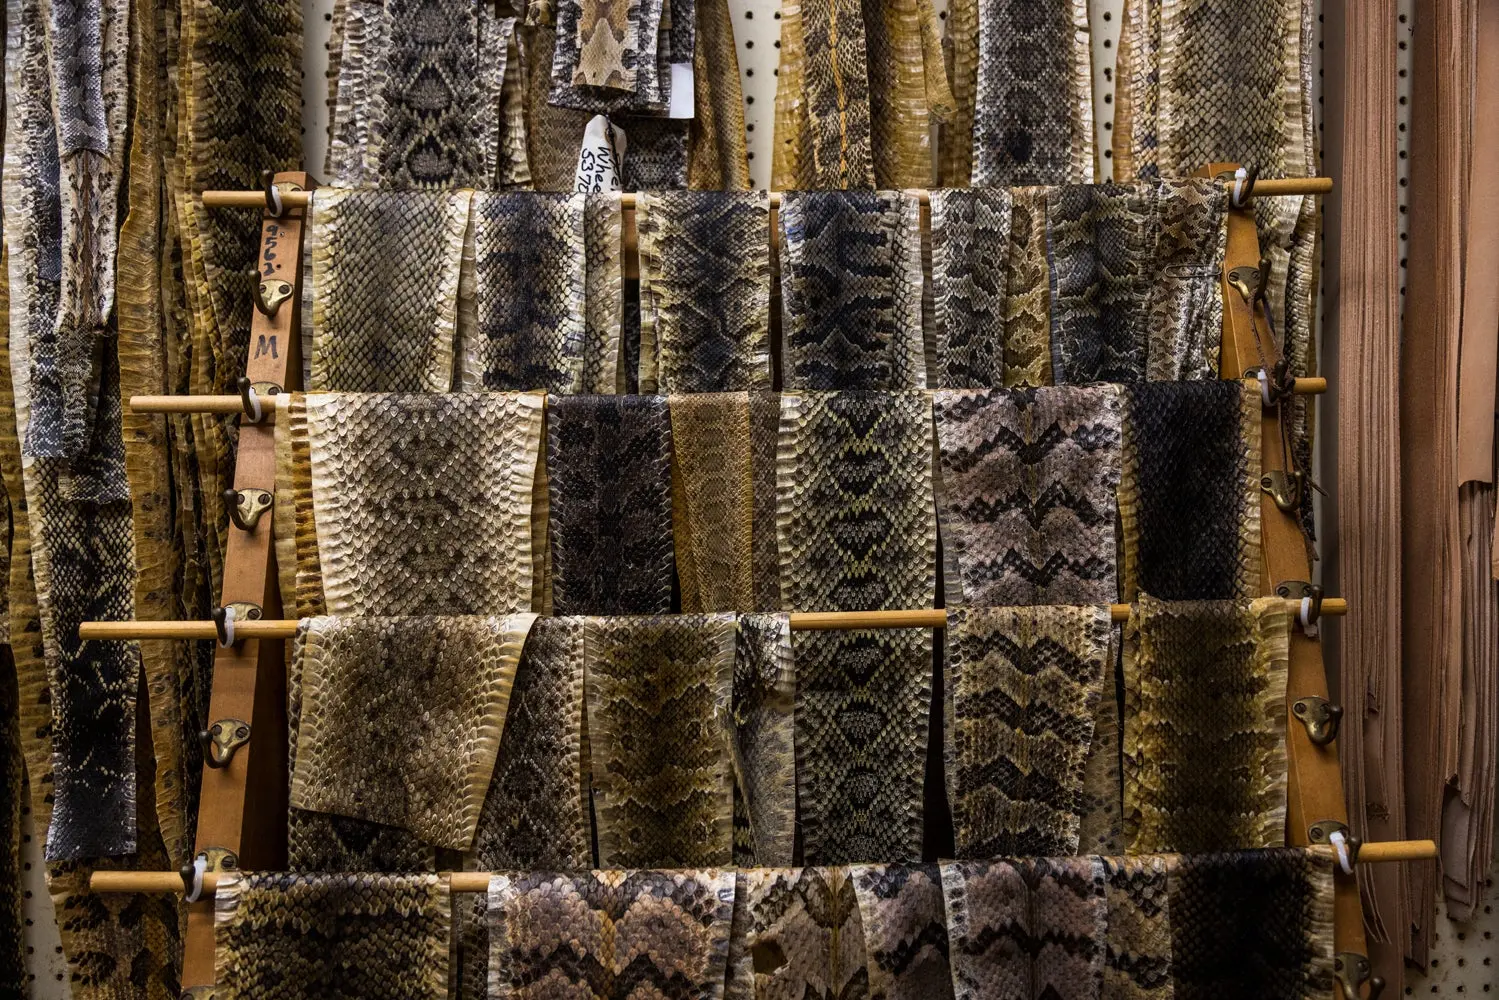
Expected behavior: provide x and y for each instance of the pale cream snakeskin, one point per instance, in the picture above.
(797, 934)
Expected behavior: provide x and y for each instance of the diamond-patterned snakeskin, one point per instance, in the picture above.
(1137, 964)
(1028, 297)
(905, 931)
(970, 284)
(764, 703)
(797, 934)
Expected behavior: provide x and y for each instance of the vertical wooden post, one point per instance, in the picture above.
(243, 805)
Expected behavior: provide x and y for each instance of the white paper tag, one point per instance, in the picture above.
(599, 157)
(681, 105)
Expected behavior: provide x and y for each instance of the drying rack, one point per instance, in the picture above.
(243, 803)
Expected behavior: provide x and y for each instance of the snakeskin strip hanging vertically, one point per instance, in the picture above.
(1205, 725)
(609, 480)
(797, 933)
(650, 90)
(1022, 689)
(834, 131)
(1027, 494)
(905, 930)
(908, 89)
(851, 290)
(1185, 319)
(1028, 298)
(332, 937)
(658, 693)
(704, 291)
(764, 741)
(384, 290)
(970, 282)
(1189, 497)
(612, 935)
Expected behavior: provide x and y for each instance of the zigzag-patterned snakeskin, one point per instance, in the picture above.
(609, 480)
(651, 89)
(857, 532)
(797, 934)
(1027, 495)
(385, 275)
(332, 936)
(1205, 725)
(704, 291)
(970, 284)
(659, 691)
(1189, 495)
(1022, 690)
(608, 43)
(764, 701)
(611, 935)
(851, 290)
(1137, 960)
(905, 931)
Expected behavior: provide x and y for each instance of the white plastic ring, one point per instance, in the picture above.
(1306, 613)
(276, 207)
(228, 638)
(256, 413)
(1241, 180)
(1340, 844)
(195, 891)
(1265, 400)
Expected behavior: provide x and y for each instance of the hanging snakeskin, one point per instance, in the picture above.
(370, 758)
(717, 152)
(553, 135)
(1101, 806)
(604, 291)
(12, 805)
(764, 699)
(612, 935)
(907, 89)
(1184, 322)
(1205, 725)
(1022, 690)
(332, 936)
(1033, 112)
(1253, 924)
(1026, 928)
(851, 290)
(649, 91)
(970, 254)
(905, 931)
(658, 693)
(608, 43)
(704, 291)
(788, 159)
(456, 472)
(655, 156)
(1027, 498)
(857, 532)
(1189, 501)
(835, 123)
(1137, 959)
(1027, 310)
(796, 934)
(609, 481)
(385, 269)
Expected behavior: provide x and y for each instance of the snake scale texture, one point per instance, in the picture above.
(797, 933)
(764, 724)
(905, 931)
(970, 232)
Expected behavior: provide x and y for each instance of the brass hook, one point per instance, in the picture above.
(247, 506)
(1352, 971)
(221, 739)
(269, 294)
(250, 394)
(1320, 717)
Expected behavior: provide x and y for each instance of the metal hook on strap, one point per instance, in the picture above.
(210, 859)
(221, 739)
(250, 394)
(269, 294)
(274, 207)
(1353, 971)
(1336, 835)
(1320, 717)
(235, 611)
(247, 506)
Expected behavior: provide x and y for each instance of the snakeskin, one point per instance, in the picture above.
(796, 934)
(1021, 692)
(1205, 724)
(764, 700)
(1189, 500)
(704, 291)
(609, 481)
(1185, 317)
(603, 236)
(905, 931)
(908, 90)
(608, 43)
(610, 934)
(658, 695)
(835, 125)
(385, 275)
(717, 152)
(12, 806)
(970, 254)
(851, 290)
(1137, 963)
(650, 91)
(332, 936)
(655, 156)
(1028, 294)
(1027, 495)
(713, 501)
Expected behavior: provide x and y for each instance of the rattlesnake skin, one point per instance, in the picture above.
(368, 757)
(1189, 496)
(659, 691)
(1185, 317)
(713, 501)
(332, 936)
(1137, 960)
(1033, 118)
(970, 253)
(609, 481)
(609, 38)
(764, 701)
(1205, 725)
(603, 238)
(385, 275)
(1027, 311)
(704, 291)
(835, 128)
(908, 90)
(1022, 690)
(905, 931)
(1027, 495)
(456, 472)
(718, 154)
(650, 91)
(797, 934)
(612, 935)
(851, 290)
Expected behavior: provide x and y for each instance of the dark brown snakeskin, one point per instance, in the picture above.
(764, 702)
(797, 934)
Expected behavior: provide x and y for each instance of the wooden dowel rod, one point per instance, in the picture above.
(1377, 853)
(808, 621)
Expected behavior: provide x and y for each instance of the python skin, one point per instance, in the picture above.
(905, 931)
(764, 701)
(1185, 308)
(1027, 495)
(797, 934)
(1033, 116)
(851, 290)
(612, 935)
(1022, 690)
(659, 691)
(370, 758)
(1189, 495)
(835, 128)
(1137, 960)
(704, 291)
(1030, 927)
(456, 472)
(332, 936)
(385, 276)
(1205, 725)
(970, 284)
(609, 481)
(1027, 309)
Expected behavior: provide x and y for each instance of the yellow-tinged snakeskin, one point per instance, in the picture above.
(332, 936)
(764, 741)
(1101, 805)
(658, 691)
(956, 145)
(553, 134)
(650, 89)
(1027, 311)
(901, 120)
(610, 935)
(371, 758)
(717, 152)
(1137, 962)
(796, 934)
(603, 235)
(905, 931)
(1137, 96)
(299, 570)
(835, 88)
(1205, 724)
(713, 508)
(791, 109)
